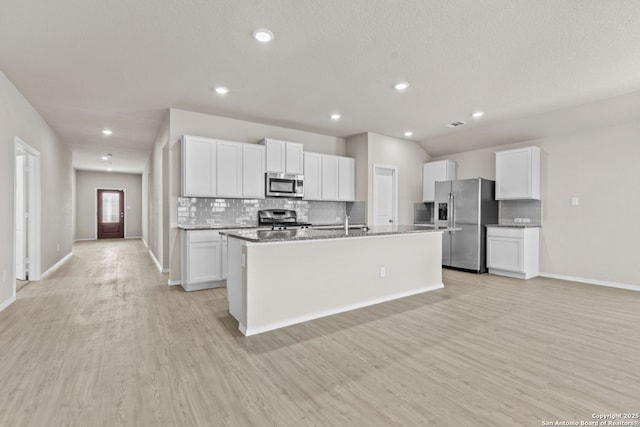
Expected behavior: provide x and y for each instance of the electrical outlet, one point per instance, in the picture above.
(575, 201)
(518, 220)
(526, 220)
(58, 247)
(383, 272)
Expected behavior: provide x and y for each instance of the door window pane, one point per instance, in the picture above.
(110, 207)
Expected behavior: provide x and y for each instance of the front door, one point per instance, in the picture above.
(110, 214)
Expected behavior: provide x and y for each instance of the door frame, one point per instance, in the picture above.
(394, 186)
(95, 208)
(33, 203)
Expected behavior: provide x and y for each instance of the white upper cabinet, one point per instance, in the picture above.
(312, 176)
(294, 155)
(229, 169)
(198, 166)
(330, 177)
(283, 156)
(346, 179)
(432, 172)
(253, 171)
(518, 174)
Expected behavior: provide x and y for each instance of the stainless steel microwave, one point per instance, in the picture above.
(284, 185)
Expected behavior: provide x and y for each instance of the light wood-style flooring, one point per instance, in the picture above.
(105, 342)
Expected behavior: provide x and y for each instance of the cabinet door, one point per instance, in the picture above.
(518, 174)
(433, 172)
(198, 167)
(312, 176)
(276, 155)
(505, 253)
(205, 262)
(294, 158)
(224, 257)
(346, 179)
(329, 177)
(253, 171)
(229, 169)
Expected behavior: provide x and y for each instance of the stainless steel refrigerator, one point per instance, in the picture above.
(465, 206)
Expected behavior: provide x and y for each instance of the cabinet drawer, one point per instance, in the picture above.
(517, 233)
(197, 236)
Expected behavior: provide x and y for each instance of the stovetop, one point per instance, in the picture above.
(280, 219)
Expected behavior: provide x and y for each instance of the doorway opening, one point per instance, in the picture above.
(385, 195)
(110, 216)
(27, 213)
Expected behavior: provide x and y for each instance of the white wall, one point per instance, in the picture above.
(597, 240)
(87, 182)
(19, 118)
(357, 146)
(408, 157)
(190, 123)
(155, 197)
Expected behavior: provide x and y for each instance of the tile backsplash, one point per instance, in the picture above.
(214, 211)
(512, 209)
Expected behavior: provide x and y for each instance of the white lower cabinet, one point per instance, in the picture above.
(513, 252)
(202, 259)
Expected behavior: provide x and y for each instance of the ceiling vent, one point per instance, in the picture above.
(456, 124)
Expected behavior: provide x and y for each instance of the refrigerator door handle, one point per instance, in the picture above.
(452, 215)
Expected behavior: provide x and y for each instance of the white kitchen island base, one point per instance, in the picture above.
(275, 284)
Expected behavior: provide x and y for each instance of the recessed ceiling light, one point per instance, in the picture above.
(408, 133)
(263, 35)
(221, 90)
(335, 116)
(107, 132)
(401, 86)
(477, 114)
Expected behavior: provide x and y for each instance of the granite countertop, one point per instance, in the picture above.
(264, 236)
(216, 227)
(514, 225)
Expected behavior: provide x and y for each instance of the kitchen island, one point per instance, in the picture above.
(278, 278)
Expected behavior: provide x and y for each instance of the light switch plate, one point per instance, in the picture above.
(575, 201)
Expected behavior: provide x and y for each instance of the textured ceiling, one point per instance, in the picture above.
(535, 67)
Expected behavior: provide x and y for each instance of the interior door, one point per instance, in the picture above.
(21, 226)
(384, 195)
(110, 214)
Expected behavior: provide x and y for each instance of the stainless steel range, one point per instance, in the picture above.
(280, 219)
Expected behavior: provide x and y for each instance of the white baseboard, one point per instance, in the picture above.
(174, 282)
(157, 263)
(591, 281)
(288, 322)
(56, 265)
(8, 302)
(133, 237)
(87, 239)
(146, 245)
